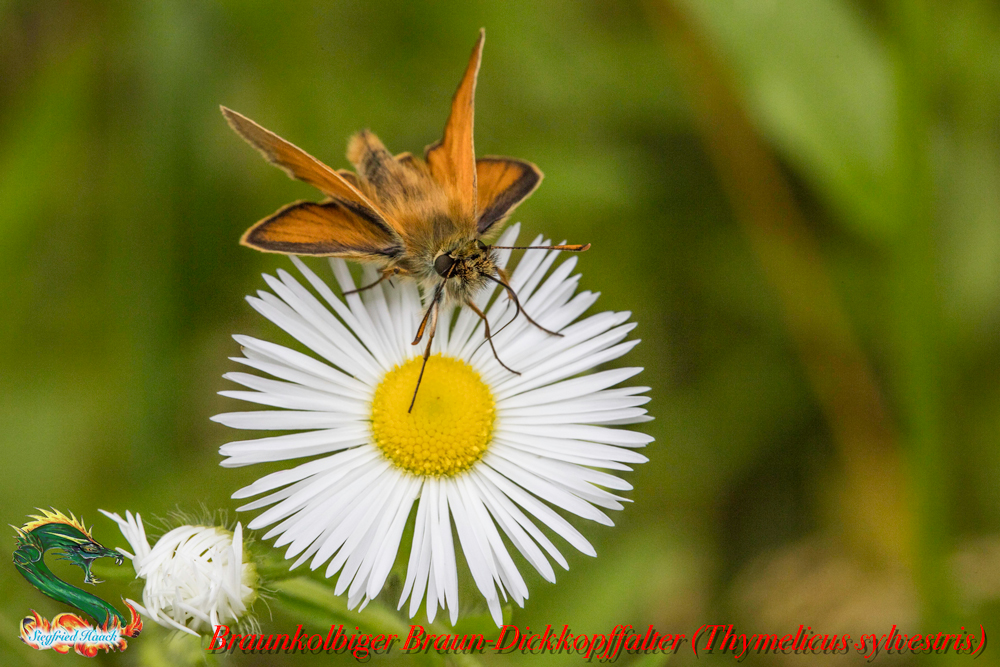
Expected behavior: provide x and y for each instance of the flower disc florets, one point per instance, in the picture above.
(450, 425)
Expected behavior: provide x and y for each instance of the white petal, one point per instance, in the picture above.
(485, 527)
(473, 547)
(535, 380)
(386, 554)
(504, 513)
(600, 434)
(350, 356)
(296, 445)
(568, 389)
(284, 372)
(324, 321)
(193, 575)
(279, 354)
(283, 420)
(539, 510)
(544, 489)
(556, 447)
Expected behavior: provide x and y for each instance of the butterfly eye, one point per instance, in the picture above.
(482, 246)
(443, 265)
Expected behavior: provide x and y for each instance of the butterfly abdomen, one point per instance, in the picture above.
(392, 182)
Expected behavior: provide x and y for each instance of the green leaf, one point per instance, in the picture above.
(316, 603)
(818, 83)
(651, 660)
(481, 624)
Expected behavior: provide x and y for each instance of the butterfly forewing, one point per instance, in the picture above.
(329, 228)
(452, 160)
(296, 162)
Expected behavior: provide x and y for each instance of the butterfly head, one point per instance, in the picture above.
(465, 268)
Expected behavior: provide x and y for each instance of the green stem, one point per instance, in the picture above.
(316, 601)
(917, 312)
(271, 567)
(872, 514)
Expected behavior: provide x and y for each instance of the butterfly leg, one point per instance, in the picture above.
(386, 274)
(431, 318)
(438, 293)
(486, 323)
(504, 280)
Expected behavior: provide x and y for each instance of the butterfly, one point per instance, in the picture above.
(429, 220)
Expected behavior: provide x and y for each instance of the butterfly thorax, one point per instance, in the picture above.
(426, 220)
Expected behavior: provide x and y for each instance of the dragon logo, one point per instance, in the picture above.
(69, 537)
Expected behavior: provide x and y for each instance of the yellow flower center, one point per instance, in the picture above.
(451, 423)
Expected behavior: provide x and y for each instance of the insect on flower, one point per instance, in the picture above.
(430, 220)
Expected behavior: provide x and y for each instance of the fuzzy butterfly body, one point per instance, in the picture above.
(428, 219)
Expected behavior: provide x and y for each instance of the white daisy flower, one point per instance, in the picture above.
(195, 577)
(484, 455)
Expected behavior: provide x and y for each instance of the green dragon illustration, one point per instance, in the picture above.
(68, 537)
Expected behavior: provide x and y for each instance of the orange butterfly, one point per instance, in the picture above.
(423, 219)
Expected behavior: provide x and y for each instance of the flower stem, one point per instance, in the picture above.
(316, 602)
(917, 307)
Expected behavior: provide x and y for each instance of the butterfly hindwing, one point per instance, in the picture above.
(503, 183)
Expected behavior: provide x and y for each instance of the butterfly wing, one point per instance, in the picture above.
(330, 228)
(293, 160)
(482, 193)
(452, 161)
(502, 184)
(347, 225)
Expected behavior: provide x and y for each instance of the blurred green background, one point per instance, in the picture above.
(798, 200)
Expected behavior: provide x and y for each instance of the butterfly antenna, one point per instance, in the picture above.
(569, 248)
(486, 323)
(431, 316)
